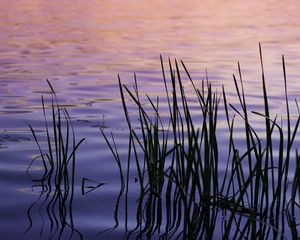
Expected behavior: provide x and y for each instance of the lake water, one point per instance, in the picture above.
(81, 47)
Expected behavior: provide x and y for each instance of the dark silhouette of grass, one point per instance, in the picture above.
(58, 180)
(183, 193)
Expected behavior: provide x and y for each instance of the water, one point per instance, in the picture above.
(81, 47)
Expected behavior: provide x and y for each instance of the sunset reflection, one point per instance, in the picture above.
(82, 47)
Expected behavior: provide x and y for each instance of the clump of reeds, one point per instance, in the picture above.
(58, 157)
(183, 193)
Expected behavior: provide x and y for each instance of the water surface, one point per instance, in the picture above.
(81, 47)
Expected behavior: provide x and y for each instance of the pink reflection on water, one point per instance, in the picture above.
(91, 42)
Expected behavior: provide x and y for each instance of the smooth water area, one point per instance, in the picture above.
(81, 47)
